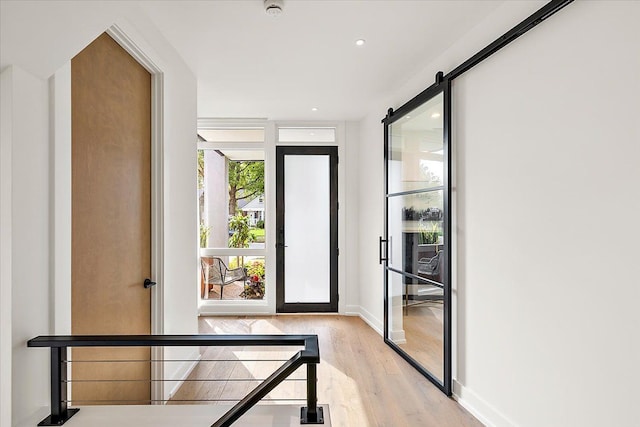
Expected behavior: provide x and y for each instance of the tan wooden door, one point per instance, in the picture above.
(111, 219)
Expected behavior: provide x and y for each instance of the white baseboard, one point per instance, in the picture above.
(352, 310)
(232, 311)
(369, 319)
(183, 371)
(479, 408)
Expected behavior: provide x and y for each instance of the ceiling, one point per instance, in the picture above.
(251, 65)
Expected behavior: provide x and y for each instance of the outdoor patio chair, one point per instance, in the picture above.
(216, 272)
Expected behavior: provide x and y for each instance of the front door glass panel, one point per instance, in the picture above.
(307, 229)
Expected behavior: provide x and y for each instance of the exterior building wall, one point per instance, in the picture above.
(216, 198)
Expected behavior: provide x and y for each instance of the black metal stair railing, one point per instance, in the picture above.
(309, 355)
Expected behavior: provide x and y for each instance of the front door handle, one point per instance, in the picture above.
(148, 283)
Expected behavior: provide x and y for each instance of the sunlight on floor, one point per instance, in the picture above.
(364, 382)
(343, 390)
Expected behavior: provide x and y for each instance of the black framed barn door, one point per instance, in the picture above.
(416, 248)
(307, 229)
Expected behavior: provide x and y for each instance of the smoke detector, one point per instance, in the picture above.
(273, 7)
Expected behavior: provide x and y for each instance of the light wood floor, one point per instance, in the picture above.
(424, 332)
(364, 381)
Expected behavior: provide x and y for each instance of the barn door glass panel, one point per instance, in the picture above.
(417, 262)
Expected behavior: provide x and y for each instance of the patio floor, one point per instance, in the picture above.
(232, 291)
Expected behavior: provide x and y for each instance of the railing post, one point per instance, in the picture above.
(59, 411)
(311, 414)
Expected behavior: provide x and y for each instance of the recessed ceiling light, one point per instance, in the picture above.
(435, 115)
(314, 108)
(407, 117)
(360, 42)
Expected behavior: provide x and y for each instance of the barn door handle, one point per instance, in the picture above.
(148, 283)
(380, 256)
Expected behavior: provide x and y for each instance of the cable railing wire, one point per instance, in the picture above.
(309, 355)
(187, 380)
(142, 401)
(173, 360)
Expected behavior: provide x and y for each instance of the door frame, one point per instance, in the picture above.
(332, 305)
(60, 85)
(444, 87)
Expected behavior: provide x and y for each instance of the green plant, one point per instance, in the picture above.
(254, 288)
(427, 236)
(256, 268)
(204, 235)
(258, 234)
(260, 224)
(241, 236)
(200, 168)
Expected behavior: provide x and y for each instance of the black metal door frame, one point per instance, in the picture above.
(444, 87)
(300, 307)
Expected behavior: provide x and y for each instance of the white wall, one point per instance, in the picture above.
(350, 204)
(180, 207)
(29, 230)
(63, 30)
(60, 185)
(549, 160)
(6, 113)
(370, 226)
(547, 175)
(216, 213)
